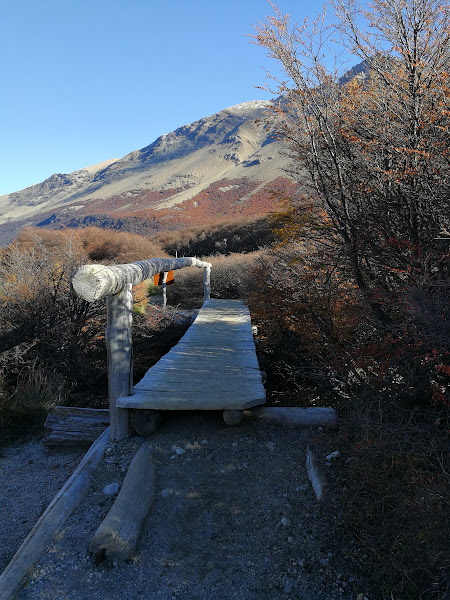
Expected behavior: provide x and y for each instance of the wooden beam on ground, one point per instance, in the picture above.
(62, 506)
(294, 416)
(117, 536)
(73, 426)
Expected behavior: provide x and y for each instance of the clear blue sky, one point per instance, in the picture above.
(84, 81)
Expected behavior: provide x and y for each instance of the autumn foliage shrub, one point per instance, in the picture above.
(52, 345)
(244, 235)
(231, 278)
(382, 359)
(45, 328)
(370, 147)
(107, 246)
(390, 381)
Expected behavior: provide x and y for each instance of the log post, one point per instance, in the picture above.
(207, 282)
(164, 290)
(92, 282)
(120, 359)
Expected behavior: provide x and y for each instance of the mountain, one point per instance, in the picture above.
(221, 166)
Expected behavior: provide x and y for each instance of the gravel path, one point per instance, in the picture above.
(234, 518)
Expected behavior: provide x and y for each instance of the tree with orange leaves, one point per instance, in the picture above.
(372, 146)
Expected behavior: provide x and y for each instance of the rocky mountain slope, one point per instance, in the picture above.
(221, 166)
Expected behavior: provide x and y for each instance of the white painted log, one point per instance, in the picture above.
(65, 502)
(117, 536)
(92, 282)
(295, 416)
(120, 358)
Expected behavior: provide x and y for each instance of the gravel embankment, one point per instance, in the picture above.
(234, 517)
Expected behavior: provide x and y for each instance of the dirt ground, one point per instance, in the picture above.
(234, 517)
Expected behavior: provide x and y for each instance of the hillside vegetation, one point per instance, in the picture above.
(365, 295)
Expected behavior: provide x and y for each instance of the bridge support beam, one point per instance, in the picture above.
(120, 359)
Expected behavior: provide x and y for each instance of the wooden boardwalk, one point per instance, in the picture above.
(213, 367)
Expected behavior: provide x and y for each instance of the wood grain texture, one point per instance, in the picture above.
(118, 535)
(68, 426)
(92, 282)
(213, 367)
(120, 358)
(65, 502)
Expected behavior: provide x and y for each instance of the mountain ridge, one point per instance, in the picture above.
(219, 166)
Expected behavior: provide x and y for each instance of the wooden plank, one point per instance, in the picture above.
(64, 503)
(155, 377)
(158, 400)
(227, 354)
(118, 535)
(216, 341)
(200, 369)
(241, 384)
(214, 363)
(241, 356)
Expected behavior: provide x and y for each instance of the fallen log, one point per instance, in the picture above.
(295, 416)
(62, 506)
(69, 426)
(118, 535)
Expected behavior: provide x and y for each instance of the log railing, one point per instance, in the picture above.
(92, 282)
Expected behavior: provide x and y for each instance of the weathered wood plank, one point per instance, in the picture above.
(65, 502)
(117, 536)
(213, 367)
(198, 385)
(214, 400)
(190, 371)
(214, 362)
